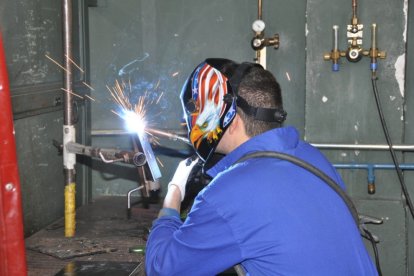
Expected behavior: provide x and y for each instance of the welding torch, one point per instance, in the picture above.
(169, 135)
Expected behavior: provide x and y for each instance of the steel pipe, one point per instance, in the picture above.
(108, 155)
(69, 133)
(175, 136)
(259, 9)
(363, 147)
(156, 132)
(371, 170)
(67, 51)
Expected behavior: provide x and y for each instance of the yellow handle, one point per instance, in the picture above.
(70, 223)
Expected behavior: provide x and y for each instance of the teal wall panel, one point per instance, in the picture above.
(29, 27)
(340, 108)
(152, 40)
(154, 45)
(40, 169)
(160, 42)
(409, 128)
(31, 30)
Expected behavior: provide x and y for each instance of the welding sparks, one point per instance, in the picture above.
(70, 92)
(159, 161)
(116, 113)
(74, 63)
(87, 85)
(89, 97)
(288, 76)
(133, 115)
(134, 122)
(57, 63)
(80, 69)
(158, 84)
(159, 98)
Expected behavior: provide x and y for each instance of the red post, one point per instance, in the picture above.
(12, 249)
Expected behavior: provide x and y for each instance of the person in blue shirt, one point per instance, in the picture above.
(268, 215)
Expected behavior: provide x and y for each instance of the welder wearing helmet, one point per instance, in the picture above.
(267, 214)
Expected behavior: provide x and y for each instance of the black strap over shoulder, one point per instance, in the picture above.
(359, 220)
(305, 165)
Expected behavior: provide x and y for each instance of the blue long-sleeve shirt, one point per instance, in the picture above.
(270, 215)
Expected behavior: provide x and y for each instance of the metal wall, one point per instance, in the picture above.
(158, 43)
(155, 45)
(340, 108)
(31, 31)
(151, 40)
(409, 125)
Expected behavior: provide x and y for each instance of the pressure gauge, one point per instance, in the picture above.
(258, 26)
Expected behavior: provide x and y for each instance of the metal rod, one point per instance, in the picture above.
(371, 170)
(373, 166)
(67, 51)
(259, 9)
(354, 8)
(374, 36)
(363, 147)
(110, 132)
(129, 195)
(335, 38)
(169, 135)
(109, 161)
(69, 133)
(108, 155)
(156, 132)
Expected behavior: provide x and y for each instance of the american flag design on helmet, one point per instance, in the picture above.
(208, 86)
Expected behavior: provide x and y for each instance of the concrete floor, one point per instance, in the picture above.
(103, 234)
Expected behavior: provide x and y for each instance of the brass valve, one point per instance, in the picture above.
(259, 41)
(355, 52)
(375, 53)
(371, 188)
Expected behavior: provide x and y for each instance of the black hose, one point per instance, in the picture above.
(331, 183)
(389, 142)
(375, 249)
(313, 170)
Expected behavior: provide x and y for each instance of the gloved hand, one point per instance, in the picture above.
(182, 173)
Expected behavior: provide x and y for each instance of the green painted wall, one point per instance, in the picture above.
(409, 128)
(147, 42)
(162, 37)
(156, 44)
(31, 30)
(340, 108)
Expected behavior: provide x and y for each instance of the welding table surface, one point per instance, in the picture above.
(105, 222)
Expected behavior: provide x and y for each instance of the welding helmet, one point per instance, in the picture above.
(209, 99)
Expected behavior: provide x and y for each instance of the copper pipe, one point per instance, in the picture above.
(354, 8)
(354, 21)
(259, 9)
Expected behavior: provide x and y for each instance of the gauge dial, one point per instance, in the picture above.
(258, 26)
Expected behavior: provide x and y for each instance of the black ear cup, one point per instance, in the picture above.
(280, 115)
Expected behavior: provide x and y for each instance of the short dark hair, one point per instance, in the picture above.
(260, 89)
